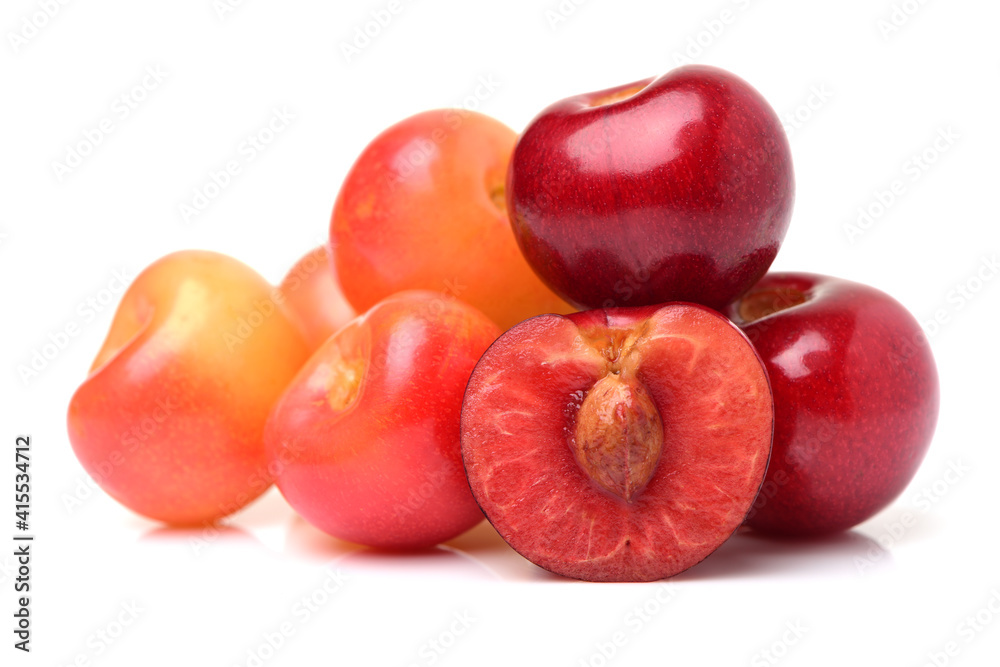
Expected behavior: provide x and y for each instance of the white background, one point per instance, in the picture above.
(877, 595)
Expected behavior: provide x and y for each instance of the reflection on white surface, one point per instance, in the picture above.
(481, 554)
(749, 555)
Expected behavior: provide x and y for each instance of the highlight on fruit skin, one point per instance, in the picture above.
(170, 418)
(621, 444)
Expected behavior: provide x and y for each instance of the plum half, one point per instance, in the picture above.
(622, 444)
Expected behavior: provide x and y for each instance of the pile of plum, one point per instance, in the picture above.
(568, 330)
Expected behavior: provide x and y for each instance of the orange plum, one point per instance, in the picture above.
(423, 207)
(315, 302)
(169, 421)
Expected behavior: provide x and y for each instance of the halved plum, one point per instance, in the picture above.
(623, 444)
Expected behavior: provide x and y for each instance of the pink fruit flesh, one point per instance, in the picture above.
(521, 427)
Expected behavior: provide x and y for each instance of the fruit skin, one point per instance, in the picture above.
(366, 438)
(520, 437)
(855, 395)
(169, 421)
(314, 299)
(682, 191)
(423, 208)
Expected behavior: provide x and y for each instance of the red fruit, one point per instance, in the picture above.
(678, 188)
(365, 441)
(855, 400)
(618, 445)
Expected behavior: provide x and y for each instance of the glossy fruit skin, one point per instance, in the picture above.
(682, 191)
(856, 402)
(423, 208)
(169, 422)
(521, 410)
(313, 297)
(366, 438)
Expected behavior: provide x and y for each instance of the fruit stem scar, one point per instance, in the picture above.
(761, 303)
(616, 345)
(498, 195)
(344, 383)
(617, 96)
